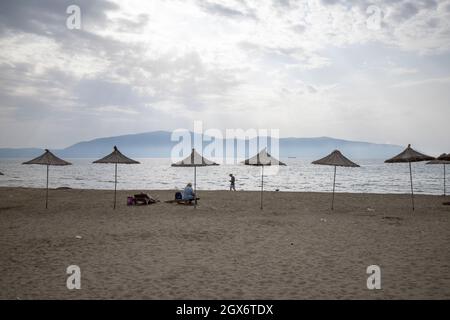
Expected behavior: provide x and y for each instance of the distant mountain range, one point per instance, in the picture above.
(158, 144)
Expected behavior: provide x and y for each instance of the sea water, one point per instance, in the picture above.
(373, 176)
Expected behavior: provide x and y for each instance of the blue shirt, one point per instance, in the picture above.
(188, 193)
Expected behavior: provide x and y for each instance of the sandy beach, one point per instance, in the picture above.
(227, 248)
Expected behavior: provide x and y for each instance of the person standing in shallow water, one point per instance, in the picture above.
(232, 182)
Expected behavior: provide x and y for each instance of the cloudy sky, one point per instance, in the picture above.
(375, 71)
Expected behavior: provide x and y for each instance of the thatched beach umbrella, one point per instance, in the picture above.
(336, 159)
(263, 158)
(409, 155)
(116, 157)
(48, 159)
(194, 160)
(444, 163)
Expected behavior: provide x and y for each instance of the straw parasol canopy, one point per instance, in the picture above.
(261, 159)
(443, 163)
(194, 160)
(336, 159)
(116, 157)
(48, 159)
(407, 156)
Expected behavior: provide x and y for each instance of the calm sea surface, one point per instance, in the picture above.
(299, 175)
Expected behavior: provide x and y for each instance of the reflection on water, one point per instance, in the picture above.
(299, 175)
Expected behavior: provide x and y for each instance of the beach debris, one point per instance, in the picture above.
(370, 209)
(394, 221)
(323, 220)
(78, 237)
(392, 218)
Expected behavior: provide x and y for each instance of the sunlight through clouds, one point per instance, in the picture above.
(310, 68)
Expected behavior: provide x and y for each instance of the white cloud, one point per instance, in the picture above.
(422, 82)
(306, 67)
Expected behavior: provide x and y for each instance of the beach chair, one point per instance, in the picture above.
(179, 199)
(186, 202)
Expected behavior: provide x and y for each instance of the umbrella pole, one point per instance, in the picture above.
(195, 187)
(334, 187)
(262, 186)
(46, 193)
(412, 189)
(444, 181)
(115, 185)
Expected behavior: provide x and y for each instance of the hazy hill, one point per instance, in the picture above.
(20, 152)
(159, 144)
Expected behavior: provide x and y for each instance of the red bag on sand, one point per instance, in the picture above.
(130, 201)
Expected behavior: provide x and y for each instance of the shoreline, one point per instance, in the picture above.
(237, 191)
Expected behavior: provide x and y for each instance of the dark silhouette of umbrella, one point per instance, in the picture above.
(116, 157)
(194, 160)
(262, 159)
(48, 159)
(336, 159)
(443, 163)
(410, 155)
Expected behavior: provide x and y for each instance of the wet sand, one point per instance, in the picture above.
(227, 248)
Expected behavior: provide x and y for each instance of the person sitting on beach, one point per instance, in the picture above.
(188, 193)
(232, 182)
